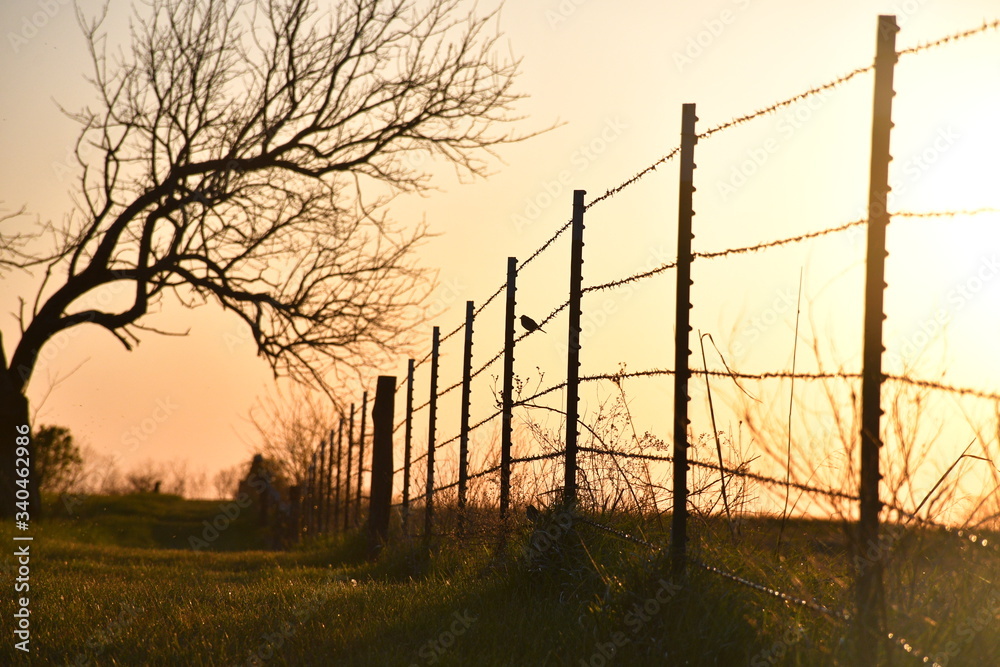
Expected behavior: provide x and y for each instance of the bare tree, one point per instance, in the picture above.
(243, 152)
(227, 481)
(289, 430)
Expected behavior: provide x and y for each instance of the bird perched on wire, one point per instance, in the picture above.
(530, 324)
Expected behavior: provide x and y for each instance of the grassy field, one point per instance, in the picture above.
(118, 584)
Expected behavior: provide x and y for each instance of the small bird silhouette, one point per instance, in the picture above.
(530, 324)
(532, 513)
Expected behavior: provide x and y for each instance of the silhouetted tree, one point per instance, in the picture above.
(290, 428)
(227, 481)
(58, 459)
(225, 162)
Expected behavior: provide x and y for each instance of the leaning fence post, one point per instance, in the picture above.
(869, 579)
(682, 353)
(463, 429)
(407, 443)
(573, 347)
(381, 472)
(347, 477)
(506, 424)
(361, 455)
(431, 428)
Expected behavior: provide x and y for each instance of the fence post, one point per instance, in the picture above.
(295, 499)
(463, 429)
(361, 455)
(506, 424)
(407, 443)
(869, 579)
(328, 489)
(347, 477)
(340, 470)
(682, 353)
(573, 347)
(380, 493)
(320, 510)
(431, 428)
(311, 497)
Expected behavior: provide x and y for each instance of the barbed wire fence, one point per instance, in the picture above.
(326, 506)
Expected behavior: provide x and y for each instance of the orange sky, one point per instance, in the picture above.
(616, 75)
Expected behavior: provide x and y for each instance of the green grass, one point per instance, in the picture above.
(109, 588)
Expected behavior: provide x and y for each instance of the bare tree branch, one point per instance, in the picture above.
(244, 153)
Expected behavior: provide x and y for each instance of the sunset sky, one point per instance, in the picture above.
(613, 76)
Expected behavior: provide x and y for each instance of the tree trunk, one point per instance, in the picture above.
(13, 420)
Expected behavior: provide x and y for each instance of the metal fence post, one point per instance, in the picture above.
(573, 347)
(361, 455)
(321, 486)
(869, 579)
(407, 444)
(506, 427)
(347, 477)
(463, 429)
(340, 470)
(328, 488)
(431, 428)
(682, 353)
(295, 500)
(381, 471)
(311, 504)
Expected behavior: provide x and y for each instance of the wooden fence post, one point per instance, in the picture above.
(682, 353)
(407, 444)
(573, 348)
(506, 424)
(381, 471)
(463, 429)
(871, 633)
(431, 429)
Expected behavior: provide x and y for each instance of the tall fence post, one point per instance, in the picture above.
(320, 502)
(573, 347)
(361, 456)
(328, 489)
(381, 472)
(507, 421)
(311, 507)
(431, 429)
(869, 579)
(682, 353)
(340, 470)
(294, 520)
(407, 444)
(463, 429)
(347, 477)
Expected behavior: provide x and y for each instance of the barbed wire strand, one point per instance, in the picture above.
(733, 472)
(946, 214)
(739, 120)
(954, 37)
(812, 605)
